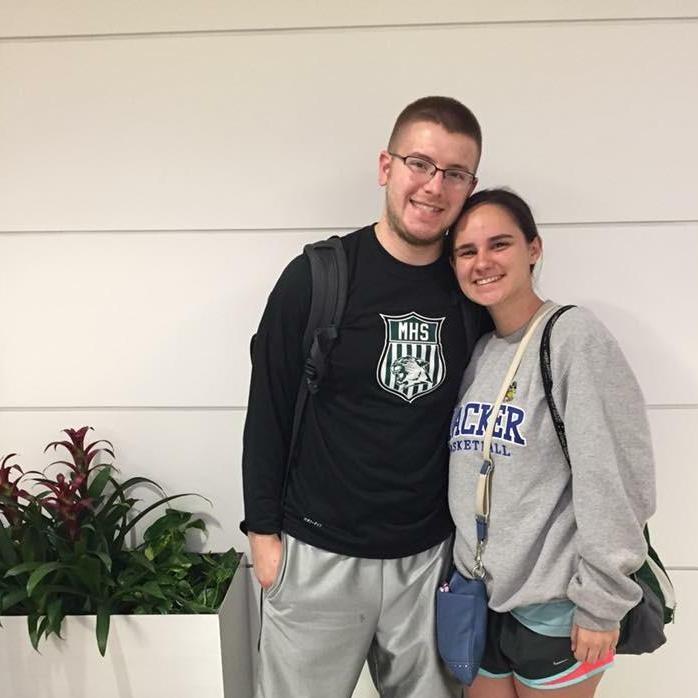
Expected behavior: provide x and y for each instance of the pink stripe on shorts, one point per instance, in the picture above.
(575, 674)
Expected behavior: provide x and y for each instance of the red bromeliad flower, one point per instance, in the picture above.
(9, 490)
(67, 502)
(82, 455)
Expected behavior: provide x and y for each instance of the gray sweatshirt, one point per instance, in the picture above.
(556, 534)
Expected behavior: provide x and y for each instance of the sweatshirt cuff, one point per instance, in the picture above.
(586, 620)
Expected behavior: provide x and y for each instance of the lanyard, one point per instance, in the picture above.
(483, 494)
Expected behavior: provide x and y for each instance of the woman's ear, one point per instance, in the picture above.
(535, 249)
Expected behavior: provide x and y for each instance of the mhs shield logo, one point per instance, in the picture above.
(412, 363)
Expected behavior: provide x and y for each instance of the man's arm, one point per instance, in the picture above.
(277, 362)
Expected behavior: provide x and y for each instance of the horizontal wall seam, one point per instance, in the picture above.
(214, 408)
(183, 33)
(328, 229)
(124, 408)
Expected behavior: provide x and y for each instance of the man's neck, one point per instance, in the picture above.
(403, 251)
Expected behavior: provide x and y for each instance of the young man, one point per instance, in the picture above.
(350, 561)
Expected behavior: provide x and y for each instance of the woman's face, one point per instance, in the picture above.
(492, 258)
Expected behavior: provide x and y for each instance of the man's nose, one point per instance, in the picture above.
(436, 183)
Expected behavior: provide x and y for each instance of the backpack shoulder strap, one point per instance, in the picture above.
(330, 281)
(329, 277)
(547, 375)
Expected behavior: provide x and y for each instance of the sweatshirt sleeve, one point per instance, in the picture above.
(613, 485)
(277, 364)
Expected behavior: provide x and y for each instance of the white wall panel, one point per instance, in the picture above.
(641, 281)
(184, 451)
(674, 525)
(165, 319)
(155, 319)
(200, 131)
(44, 17)
(200, 450)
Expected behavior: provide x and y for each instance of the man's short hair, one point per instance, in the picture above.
(445, 111)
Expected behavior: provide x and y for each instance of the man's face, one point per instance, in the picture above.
(419, 210)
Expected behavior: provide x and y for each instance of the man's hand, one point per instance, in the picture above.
(593, 645)
(266, 552)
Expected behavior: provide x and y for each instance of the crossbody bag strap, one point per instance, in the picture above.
(547, 376)
(483, 494)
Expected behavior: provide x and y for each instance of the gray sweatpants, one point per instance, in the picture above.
(326, 614)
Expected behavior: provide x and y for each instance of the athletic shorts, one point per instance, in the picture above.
(537, 661)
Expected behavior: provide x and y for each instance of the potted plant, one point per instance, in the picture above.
(66, 565)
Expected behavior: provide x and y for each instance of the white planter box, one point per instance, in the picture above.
(176, 656)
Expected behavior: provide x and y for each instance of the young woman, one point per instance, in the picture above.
(562, 541)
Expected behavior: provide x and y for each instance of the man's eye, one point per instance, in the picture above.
(416, 164)
(456, 176)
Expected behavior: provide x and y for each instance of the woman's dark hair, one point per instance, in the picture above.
(512, 203)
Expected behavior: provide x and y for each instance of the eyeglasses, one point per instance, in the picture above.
(425, 170)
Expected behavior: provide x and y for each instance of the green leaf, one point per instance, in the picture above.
(55, 616)
(32, 625)
(39, 573)
(138, 558)
(147, 510)
(102, 628)
(198, 523)
(32, 543)
(153, 588)
(99, 482)
(12, 598)
(7, 549)
(105, 558)
(62, 589)
(22, 568)
(171, 520)
(43, 628)
(88, 570)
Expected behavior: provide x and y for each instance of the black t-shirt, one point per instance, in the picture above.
(371, 473)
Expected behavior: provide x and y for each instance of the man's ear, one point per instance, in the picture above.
(384, 162)
(472, 188)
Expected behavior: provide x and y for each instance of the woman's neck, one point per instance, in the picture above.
(515, 314)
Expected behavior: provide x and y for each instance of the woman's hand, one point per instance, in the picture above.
(593, 645)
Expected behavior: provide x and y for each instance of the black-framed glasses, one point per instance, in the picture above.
(425, 170)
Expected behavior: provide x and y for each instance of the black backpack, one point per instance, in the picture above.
(642, 629)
